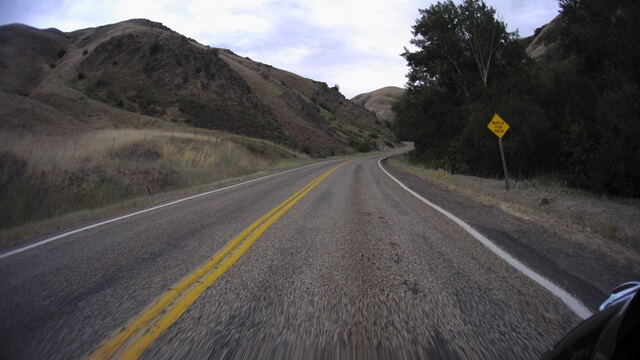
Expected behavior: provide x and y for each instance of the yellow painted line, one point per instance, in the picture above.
(136, 336)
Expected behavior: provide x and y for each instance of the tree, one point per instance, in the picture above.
(465, 68)
(602, 149)
(483, 34)
(457, 46)
(574, 113)
(601, 33)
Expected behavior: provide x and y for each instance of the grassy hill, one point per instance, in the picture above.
(146, 69)
(379, 101)
(545, 40)
(133, 110)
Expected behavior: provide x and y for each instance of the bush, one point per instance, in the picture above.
(362, 146)
(573, 114)
(154, 48)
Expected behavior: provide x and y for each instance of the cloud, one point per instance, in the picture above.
(352, 43)
(525, 15)
(325, 41)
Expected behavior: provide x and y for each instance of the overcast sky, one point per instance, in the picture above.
(355, 44)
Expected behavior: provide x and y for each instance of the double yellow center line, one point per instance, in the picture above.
(136, 336)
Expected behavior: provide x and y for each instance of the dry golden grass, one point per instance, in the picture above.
(79, 135)
(51, 182)
(603, 224)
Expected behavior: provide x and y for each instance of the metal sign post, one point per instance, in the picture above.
(504, 165)
(500, 127)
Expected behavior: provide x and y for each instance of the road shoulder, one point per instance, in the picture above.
(584, 271)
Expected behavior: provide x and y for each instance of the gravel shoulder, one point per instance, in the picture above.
(563, 240)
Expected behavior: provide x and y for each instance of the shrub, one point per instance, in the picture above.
(155, 47)
(362, 146)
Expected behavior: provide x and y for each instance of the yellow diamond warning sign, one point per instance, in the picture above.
(498, 126)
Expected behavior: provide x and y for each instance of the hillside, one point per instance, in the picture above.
(379, 101)
(569, 95)
(545, 39)
(122, 115)
(139, 73)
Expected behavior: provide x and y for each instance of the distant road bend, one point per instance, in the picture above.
(336, 259)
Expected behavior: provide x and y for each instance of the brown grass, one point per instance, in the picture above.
(603, 224)
(53, 182)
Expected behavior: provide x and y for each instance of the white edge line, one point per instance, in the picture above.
(574, 304)
(46, 241)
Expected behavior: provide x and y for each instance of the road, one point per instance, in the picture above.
(355, 267)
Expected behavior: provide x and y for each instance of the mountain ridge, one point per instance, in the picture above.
(150, 71)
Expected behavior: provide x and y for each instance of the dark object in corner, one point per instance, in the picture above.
(611, 333)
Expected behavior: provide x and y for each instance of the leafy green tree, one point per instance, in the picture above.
(574, 113)
(602, 149)
(465, 68)
(603, 33)
(456, 46)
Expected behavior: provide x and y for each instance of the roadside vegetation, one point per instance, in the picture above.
(574, 112)
(52, 182)
(101, 120)
(597, 221)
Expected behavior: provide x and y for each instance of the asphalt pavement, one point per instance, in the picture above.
(356, 268)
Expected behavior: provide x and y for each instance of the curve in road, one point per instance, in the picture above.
(358, 268)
